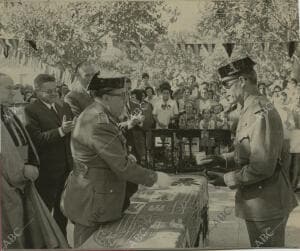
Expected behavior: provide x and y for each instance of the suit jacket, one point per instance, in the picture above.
(78, 101)
(264, 191)
(53, 150)
(95, 190)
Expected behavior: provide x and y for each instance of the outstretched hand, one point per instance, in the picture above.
(216, 178)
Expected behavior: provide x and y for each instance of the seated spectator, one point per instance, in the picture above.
(165, 110)
(207, 122)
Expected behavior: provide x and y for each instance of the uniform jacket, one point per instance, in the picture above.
(95, 190)
(78, 101)
(53, 150)
(263, 188)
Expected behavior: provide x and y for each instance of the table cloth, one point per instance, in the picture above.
(174, 217)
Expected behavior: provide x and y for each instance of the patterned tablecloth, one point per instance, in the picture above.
(159, 218)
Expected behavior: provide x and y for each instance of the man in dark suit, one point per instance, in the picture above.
(79, 98)
(49, 126)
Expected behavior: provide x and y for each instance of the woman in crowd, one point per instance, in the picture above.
(207, 122)
(150, 95)
(185, 98)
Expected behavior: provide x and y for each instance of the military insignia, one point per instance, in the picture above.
(232, 69)
(103, 118)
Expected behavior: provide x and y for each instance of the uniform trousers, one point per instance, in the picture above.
(269, 233)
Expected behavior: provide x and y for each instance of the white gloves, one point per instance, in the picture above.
(163, 180)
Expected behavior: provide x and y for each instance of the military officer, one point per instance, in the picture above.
(264, 196)
(95, 190)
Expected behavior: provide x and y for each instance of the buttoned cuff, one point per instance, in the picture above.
(61, 132)
(231, 180)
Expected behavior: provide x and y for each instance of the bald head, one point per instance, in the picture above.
(85, 72)
(6, 86)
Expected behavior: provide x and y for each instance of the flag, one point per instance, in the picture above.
(292, 48)
(32, 44)
(229, 48)
(5, 47)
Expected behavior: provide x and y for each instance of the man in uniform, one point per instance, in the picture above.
(95, 190)
(264, 196)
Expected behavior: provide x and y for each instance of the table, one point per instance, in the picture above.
(170, 155)
(175, 217)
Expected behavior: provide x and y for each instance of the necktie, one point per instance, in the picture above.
(53, 110)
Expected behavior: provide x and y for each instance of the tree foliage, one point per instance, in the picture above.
(70, 32)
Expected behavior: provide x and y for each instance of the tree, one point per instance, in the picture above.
(69, 32)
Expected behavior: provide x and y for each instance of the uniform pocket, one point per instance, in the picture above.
(108, 201)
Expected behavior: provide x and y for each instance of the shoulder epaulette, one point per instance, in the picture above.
(103, 118)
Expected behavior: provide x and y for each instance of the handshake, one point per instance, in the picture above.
(215, 167)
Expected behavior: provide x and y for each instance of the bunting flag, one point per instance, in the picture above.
(192, 47)
(292, 48)
(209, 48)
(229, 48)
(5, 46)
(32, 44)
(151, 46)
(199, 48)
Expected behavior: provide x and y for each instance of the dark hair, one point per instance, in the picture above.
(127, 80)
(41, 79)
(193, 77)
(145, 75)
(294, 80)
(138, 93)
(261, 84)
(149, 87)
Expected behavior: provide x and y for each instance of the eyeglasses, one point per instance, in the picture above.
(227, 84)
(122, 95)
(49, 91)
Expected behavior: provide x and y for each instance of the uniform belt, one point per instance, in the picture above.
(79, 168)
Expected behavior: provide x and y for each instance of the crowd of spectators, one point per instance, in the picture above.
(192, 105)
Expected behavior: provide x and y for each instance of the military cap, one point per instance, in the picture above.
(106, 84)
(236, 67)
